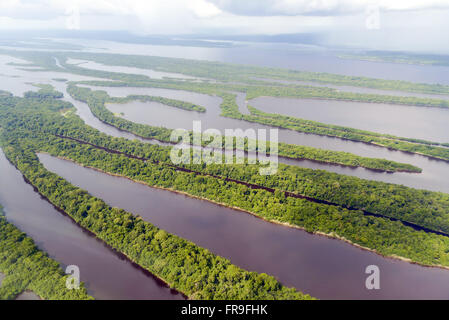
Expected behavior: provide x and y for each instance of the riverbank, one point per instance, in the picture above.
(285, 224)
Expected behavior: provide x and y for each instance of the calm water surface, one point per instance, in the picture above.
(317, 265)
(107, 275)
(433, 176)
(323, 267)
(360, 89)
(296, 57)
(146, 72)
(404, 121)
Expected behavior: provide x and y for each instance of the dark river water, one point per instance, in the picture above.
(323, 267)
(433, 177)
(297, 57)
(404, 121)
(106, 274)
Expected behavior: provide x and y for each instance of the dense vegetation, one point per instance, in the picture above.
(242, 75)
(385, 236)
(333, 94)
(96, 101)
(35, 131)
(185, 266)
(28, 268)
(230, 109)
(227, 72)
(169, 102)
(343, 158)
(308, 126)
(46, 91)
(423, 208)
(428, 209)
(400, 57)
(261, 88)
(238, 77)
(190, 269)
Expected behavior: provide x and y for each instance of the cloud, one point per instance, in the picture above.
(205, 9)
(285, 7)
(16, 9)
(321, 7)
(418, 21)
(153, 16)
(44, 9)
(52, 9)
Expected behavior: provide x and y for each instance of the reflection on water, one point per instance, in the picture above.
(146, 72)
(433, 176)
(404, 121)
(18, 81)
(360, 89)
(290, 56)
(323, 267)
(107, 275)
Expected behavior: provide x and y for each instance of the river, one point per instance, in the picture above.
(107, 275)
(434, 171)
(432, 178)
(317, 265)
(323, 267)
(404, 121)
(290, 56)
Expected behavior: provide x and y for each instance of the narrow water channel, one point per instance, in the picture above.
(404, 121)
(106, 274)
(323, 267)
(432, 178)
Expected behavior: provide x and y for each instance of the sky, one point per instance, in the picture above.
(382, 24)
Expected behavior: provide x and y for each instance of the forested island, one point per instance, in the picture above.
(389, 219)
(342, 217)
(186, 267)
(27, 268)
(96, 100)
(400, 57)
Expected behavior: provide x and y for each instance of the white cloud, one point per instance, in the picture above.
(403, 5)
(154, 16)
(203, 9)
(321, 7)
(346, 19)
